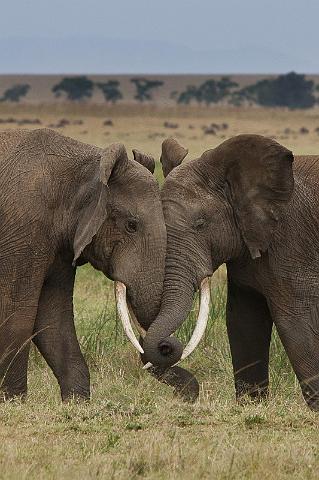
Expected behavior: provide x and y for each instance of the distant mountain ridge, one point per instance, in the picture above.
(80, 54)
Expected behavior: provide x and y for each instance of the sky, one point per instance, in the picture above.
(161, 36)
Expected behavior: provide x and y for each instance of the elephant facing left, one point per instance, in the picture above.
(64, 203)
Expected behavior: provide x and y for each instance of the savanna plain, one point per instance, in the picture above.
(134, 427)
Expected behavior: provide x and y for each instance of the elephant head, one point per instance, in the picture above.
(119, 228)
(225, 204)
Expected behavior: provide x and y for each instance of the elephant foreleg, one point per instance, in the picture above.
(249, 326)
(55, 334)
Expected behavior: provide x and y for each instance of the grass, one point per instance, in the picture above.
(134, 427)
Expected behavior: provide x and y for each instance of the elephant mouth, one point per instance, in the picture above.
(201, 323)
(126, 313)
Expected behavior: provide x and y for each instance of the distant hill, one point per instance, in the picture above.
(161, 90)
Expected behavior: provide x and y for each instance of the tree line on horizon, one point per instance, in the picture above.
(290, 90)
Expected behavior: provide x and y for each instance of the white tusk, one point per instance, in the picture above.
(139, 328)
(120, 295)
(147, 365)
(202, 319)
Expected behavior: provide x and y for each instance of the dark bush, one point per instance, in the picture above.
(170, 125)
(209, 130)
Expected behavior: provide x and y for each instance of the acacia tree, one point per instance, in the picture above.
(110, 90)
(191, 93)
(14, 93)
(225, 86)
(291, 90)
(210, 91)
(75, 88)
(144, 86)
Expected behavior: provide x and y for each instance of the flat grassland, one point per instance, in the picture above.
(134, 427)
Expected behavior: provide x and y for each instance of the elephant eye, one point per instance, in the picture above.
(131, 225)
(199, 223)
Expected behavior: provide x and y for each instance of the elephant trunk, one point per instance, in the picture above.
(161, 349)
(180, 285)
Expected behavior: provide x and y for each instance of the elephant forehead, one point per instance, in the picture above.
(180, 188)
(137, 184)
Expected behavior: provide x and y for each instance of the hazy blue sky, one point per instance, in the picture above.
(164, 36)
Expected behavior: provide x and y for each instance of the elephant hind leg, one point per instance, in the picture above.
(16, 336)
(299, 334)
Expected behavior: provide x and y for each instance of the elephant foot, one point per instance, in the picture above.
(7, 395)
(312, 397)
(185, 384)
(73, 396)
(254, 392)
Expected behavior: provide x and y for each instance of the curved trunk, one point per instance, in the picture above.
(146, 303)
(159, 348)
(179, 287)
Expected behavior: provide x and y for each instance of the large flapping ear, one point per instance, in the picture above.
(94, 210)
(260, 177)
(172, 155)
(145, 160)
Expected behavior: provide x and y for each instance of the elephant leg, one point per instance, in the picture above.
(16, 334)
(20, 289)
(55, 335)
(249, 326)
(300, 337)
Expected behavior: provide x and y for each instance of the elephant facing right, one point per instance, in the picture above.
(250, 204)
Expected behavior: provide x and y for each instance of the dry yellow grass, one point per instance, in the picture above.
(134, 427)
(143, 126)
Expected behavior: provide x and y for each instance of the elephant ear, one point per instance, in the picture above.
(145, 160)
(94, 211)
(172, 155)
(260, 178)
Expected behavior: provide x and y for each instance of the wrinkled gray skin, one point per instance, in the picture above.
(247, 204)
(65, 203)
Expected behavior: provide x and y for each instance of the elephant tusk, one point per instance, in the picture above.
(201, 323)
(122, 309)
(202, 319)
(147, 365)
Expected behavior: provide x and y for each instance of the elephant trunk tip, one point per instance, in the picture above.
(163, 353)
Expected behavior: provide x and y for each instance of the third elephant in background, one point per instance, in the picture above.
(250, 204)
